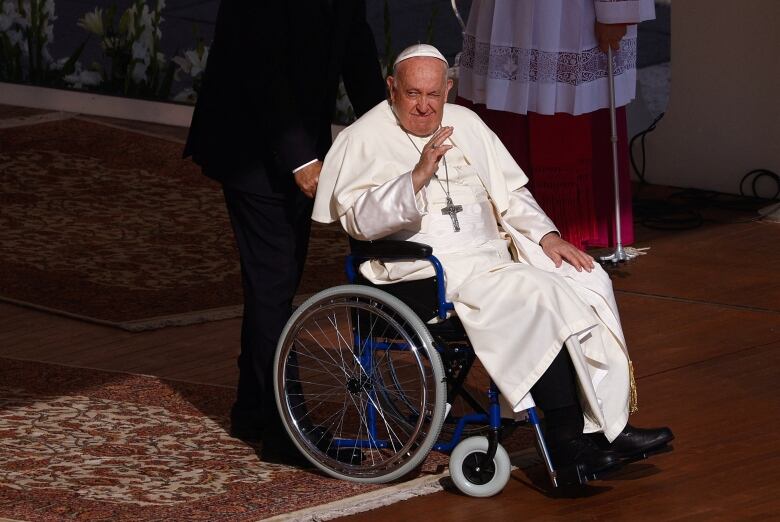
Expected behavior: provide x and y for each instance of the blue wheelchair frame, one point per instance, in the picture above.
(492, 418)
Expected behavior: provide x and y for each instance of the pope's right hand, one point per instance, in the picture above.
(308, 177)
(430, 156)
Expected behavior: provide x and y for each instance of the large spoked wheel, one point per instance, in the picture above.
(472, 472)
(359, 385)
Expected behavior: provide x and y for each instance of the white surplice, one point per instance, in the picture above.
(517, 308)
(542, 56)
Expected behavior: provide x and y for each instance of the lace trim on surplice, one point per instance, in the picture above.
(499, 62)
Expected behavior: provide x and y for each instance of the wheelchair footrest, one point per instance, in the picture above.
(573, 475)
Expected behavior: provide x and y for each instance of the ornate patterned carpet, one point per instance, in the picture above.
(81, 444)
(113, 225)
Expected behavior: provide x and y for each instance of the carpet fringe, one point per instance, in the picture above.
(367, 501)
(418, 487)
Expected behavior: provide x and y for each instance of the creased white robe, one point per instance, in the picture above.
(518, 312)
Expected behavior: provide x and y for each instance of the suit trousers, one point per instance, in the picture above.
(272, 235)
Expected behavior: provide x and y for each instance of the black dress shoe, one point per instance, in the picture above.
(246, 424)
(635, 443)
(580, 460)
(246, 433)
(279, 449)
(319, 436)
(323, 439)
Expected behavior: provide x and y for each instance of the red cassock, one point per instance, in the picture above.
(568, 160)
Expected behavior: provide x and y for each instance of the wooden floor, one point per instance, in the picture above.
(701, 314)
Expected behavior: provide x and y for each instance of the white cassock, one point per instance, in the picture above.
(542, 56)
(517, 308)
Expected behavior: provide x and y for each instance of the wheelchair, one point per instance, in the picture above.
(367, 385)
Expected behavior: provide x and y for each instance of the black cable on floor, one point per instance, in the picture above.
(668, 215)
(641, 136)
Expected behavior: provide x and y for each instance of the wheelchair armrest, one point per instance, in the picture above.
(389, 249)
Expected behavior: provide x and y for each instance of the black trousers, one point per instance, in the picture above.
(555, 393)
(272, 235)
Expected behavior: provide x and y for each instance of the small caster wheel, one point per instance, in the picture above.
(471, 471)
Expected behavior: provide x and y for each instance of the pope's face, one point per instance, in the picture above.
(418, 92)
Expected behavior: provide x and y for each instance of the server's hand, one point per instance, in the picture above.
(609, 35)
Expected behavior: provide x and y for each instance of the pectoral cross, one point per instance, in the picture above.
(452, 210)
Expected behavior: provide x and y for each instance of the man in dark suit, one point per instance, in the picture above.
(261, 127)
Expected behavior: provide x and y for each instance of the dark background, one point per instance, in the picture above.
(409, 22)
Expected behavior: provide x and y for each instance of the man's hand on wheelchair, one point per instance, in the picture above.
(559, 250)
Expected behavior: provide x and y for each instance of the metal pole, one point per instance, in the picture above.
(457, 15)
(619, 253)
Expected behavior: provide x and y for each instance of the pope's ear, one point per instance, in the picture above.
(390, 82)
(449, 85)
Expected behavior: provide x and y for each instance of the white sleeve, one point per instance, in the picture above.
(527, 217)
(304, 165)
(624, 11)
(385, 209)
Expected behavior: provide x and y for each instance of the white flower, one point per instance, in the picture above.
(15, 37)
(192, 63)
(6, 22)
(146, 17)
(81, 78)
(57, 65)
(49, 32)
(139, 72)
(186, 96)
(48, 9)
(140, 52)
(93, 22)
(198, 62)
(91, 77)
(184, 66)
(22, 19)
(9, 16)
(145, 38)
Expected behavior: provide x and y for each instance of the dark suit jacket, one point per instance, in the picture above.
(269, 90)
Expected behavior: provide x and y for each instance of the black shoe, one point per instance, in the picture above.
(319, 436)
(323, 439)
(580, 460)
(279, 449)
(246, 424)
(635, 443)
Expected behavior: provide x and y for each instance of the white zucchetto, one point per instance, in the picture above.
(413, 51)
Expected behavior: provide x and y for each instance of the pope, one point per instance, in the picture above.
(539, 313)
